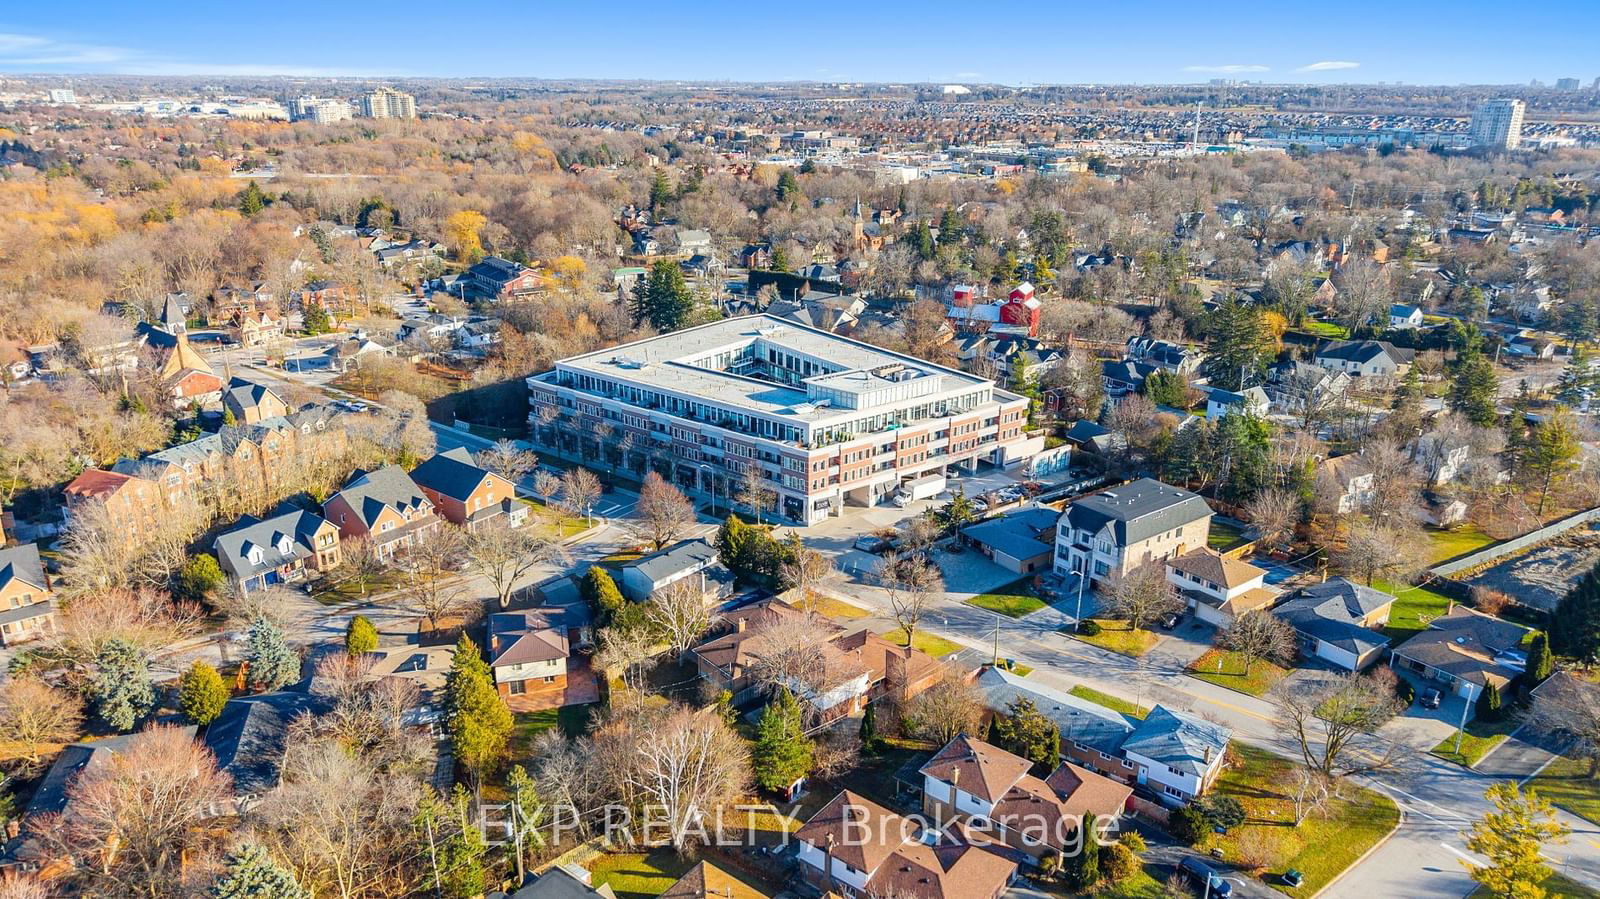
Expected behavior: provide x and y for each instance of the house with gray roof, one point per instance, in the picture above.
(256, 553)
(1364, 358)
(251, 402)
(1088, 729)
(649, 573)
(1176, 754)
(1021, 541)
(1464, 651)
(466, 494)
(27, 609)
(1111, 532)
(251, 736)
(385, 506)
(1339, 621)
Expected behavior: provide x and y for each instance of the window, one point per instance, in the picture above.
(518, 688)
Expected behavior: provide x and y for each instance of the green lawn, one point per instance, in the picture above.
(1146, 883)
(1230, 672)
(1480, 737)
(933, 645)
(1325, 329)
(1012, 600)
(1224, 536)
(343, 591)
(1555, 885)
(1320, 847)
(1413, 608)
(555, 522)
(1457, 541)
(639, 874)
(828, 607)
(1121, 706)
(572, 719)
(1566, 782)
(1117, 636)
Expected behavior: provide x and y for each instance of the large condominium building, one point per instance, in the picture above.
(824, 421)
(1498, 124)
(386, 103)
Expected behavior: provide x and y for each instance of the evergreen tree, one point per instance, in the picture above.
(1042, 273)
(1473, 388)
(1489, 703)
(1516, 428)
(733, 540)
(788, 186)
(477, 718)
(1165, 388)
(869, 729)
(1551, 454)
(360, 637)
(1006, 273)
(1512, 837)
(460, 859)
(527, 814)
(1243, 453)
(663, 298)
(1025, 383)
(949, 227)
(251, 199)
(315, 319)
(249, 872)
(1540, 663)
(1083, 869)
(202, 694)
(726, 711)
(201, 578)
(1238, 346)
(273, 663)
(1025, 731)
(121, 690)
(660, 192)
(921, 239)
(602, 593)
(1575, 623)
(782, 752)
(1577, 382)
(780, 260)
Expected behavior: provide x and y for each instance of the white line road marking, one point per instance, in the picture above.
(1465, 857)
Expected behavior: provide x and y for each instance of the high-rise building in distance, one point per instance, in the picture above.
(387, 103)
(319, 110)
(1498, 124)
(1567, 84)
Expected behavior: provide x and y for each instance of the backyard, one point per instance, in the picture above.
(1225, 535)
(1269, 841)
(1226, 668)
(1117, 636)
(1413, 608)
(1457, 541)
(1013, 600)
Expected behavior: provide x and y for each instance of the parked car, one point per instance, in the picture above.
(1171, 621)
(1205, 878)
(1431, 698)
(871, 543)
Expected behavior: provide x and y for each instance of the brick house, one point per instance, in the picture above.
(133, 503)
(465, 494)
(385, 506)
(27, 609)
(256, 553)
(252, 402)
(501, 279)
(533, 655)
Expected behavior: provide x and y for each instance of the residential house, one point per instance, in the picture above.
(993, 792)
(1021, 541)
(251, 402)
(530, 652)
(1294, 386)
(1217, 587)
(351, 352)
(465, 494)
(132, 503)
(253, 329)
(499, 279)
(707, 881)
(256, 553)
(1339, 621)
(686, 558)
(1125, 377)
(251, 736)
(1091, 437)
(565, 881)
(1347, 480)
(1404, 317)
(693, 241)
(426, 666)
(27, 608)
(1164, 355)
(1249, 401)
(853, 846)
(1176, 755)
(1440, 460)
(1364, 358)
(1463, 651)
(1109, 533)
(384, 506)
(335, 298)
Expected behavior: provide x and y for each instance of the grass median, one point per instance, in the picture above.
(1013, 600)
(1476, 742)
(1226, 668)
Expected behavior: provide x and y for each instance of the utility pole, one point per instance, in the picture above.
(997, 643)
(1463, 728)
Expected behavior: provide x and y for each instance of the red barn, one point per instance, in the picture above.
(1022, 310)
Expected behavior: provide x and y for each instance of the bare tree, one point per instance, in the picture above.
(429, 586)
(139, 814)
(503, 554)
(911, 582)
(1274, 513)
(1311, 793)
(663, 512)
(1569, 709)
(753, 493)
(679, 613)
(626, 651)
(546, 485)
(1394, 480)
(507, 460)
(1141, 595)
(101, 551)
(1259, 636)
(1364, 293)
(360, 563)
(950, 707)
(147, 619)
(687, 764)
(804, 569)
(579, 491)
(35, 718)
(1326, 720)
(796, 652)
(1392, 549)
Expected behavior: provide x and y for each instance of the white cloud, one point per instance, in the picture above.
(1226, 70)
(29, 51)
(1331, 65)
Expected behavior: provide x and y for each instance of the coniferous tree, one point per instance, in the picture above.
(782, 752)
(273, 663)
(1238, 346)
(1489, 703)
(1084, 868)
(251, 199)
(121, 690)
(1025, 731)
(788, 187)
(602, 593)
(360, 636)
(1575, 623)
(202, 694)
(477, 718)
(1540, 663)
(869, 729)
(662, 298)
(249, 872)
(1473, 388)
(660, 192)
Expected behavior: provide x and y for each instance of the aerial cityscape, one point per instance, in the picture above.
(907, 454)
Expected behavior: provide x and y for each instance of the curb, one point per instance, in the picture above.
(1371, 849)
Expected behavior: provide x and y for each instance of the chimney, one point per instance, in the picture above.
(1208, 756)
(741, 622)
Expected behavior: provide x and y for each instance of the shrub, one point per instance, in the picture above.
(202, 693)
(1089, 627)
(1188, 825)
(1117, 863)
(360, 636)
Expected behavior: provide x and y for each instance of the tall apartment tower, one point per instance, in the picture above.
(1498, 124)
(386, 103)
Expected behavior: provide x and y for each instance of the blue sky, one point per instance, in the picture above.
(1159, 41)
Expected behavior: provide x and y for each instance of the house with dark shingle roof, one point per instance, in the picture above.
(1217, 587)
(256, 553)
(1464, 651)
(252, 402)
(528, 652)
(686, 558)
(1364, 358)
(971, 780)
(1339, 621)
(1177, 755)
(466, 494)
(385, 506)
(1020, 541)
(251, 736)
(1109, 533)
(27, 609)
